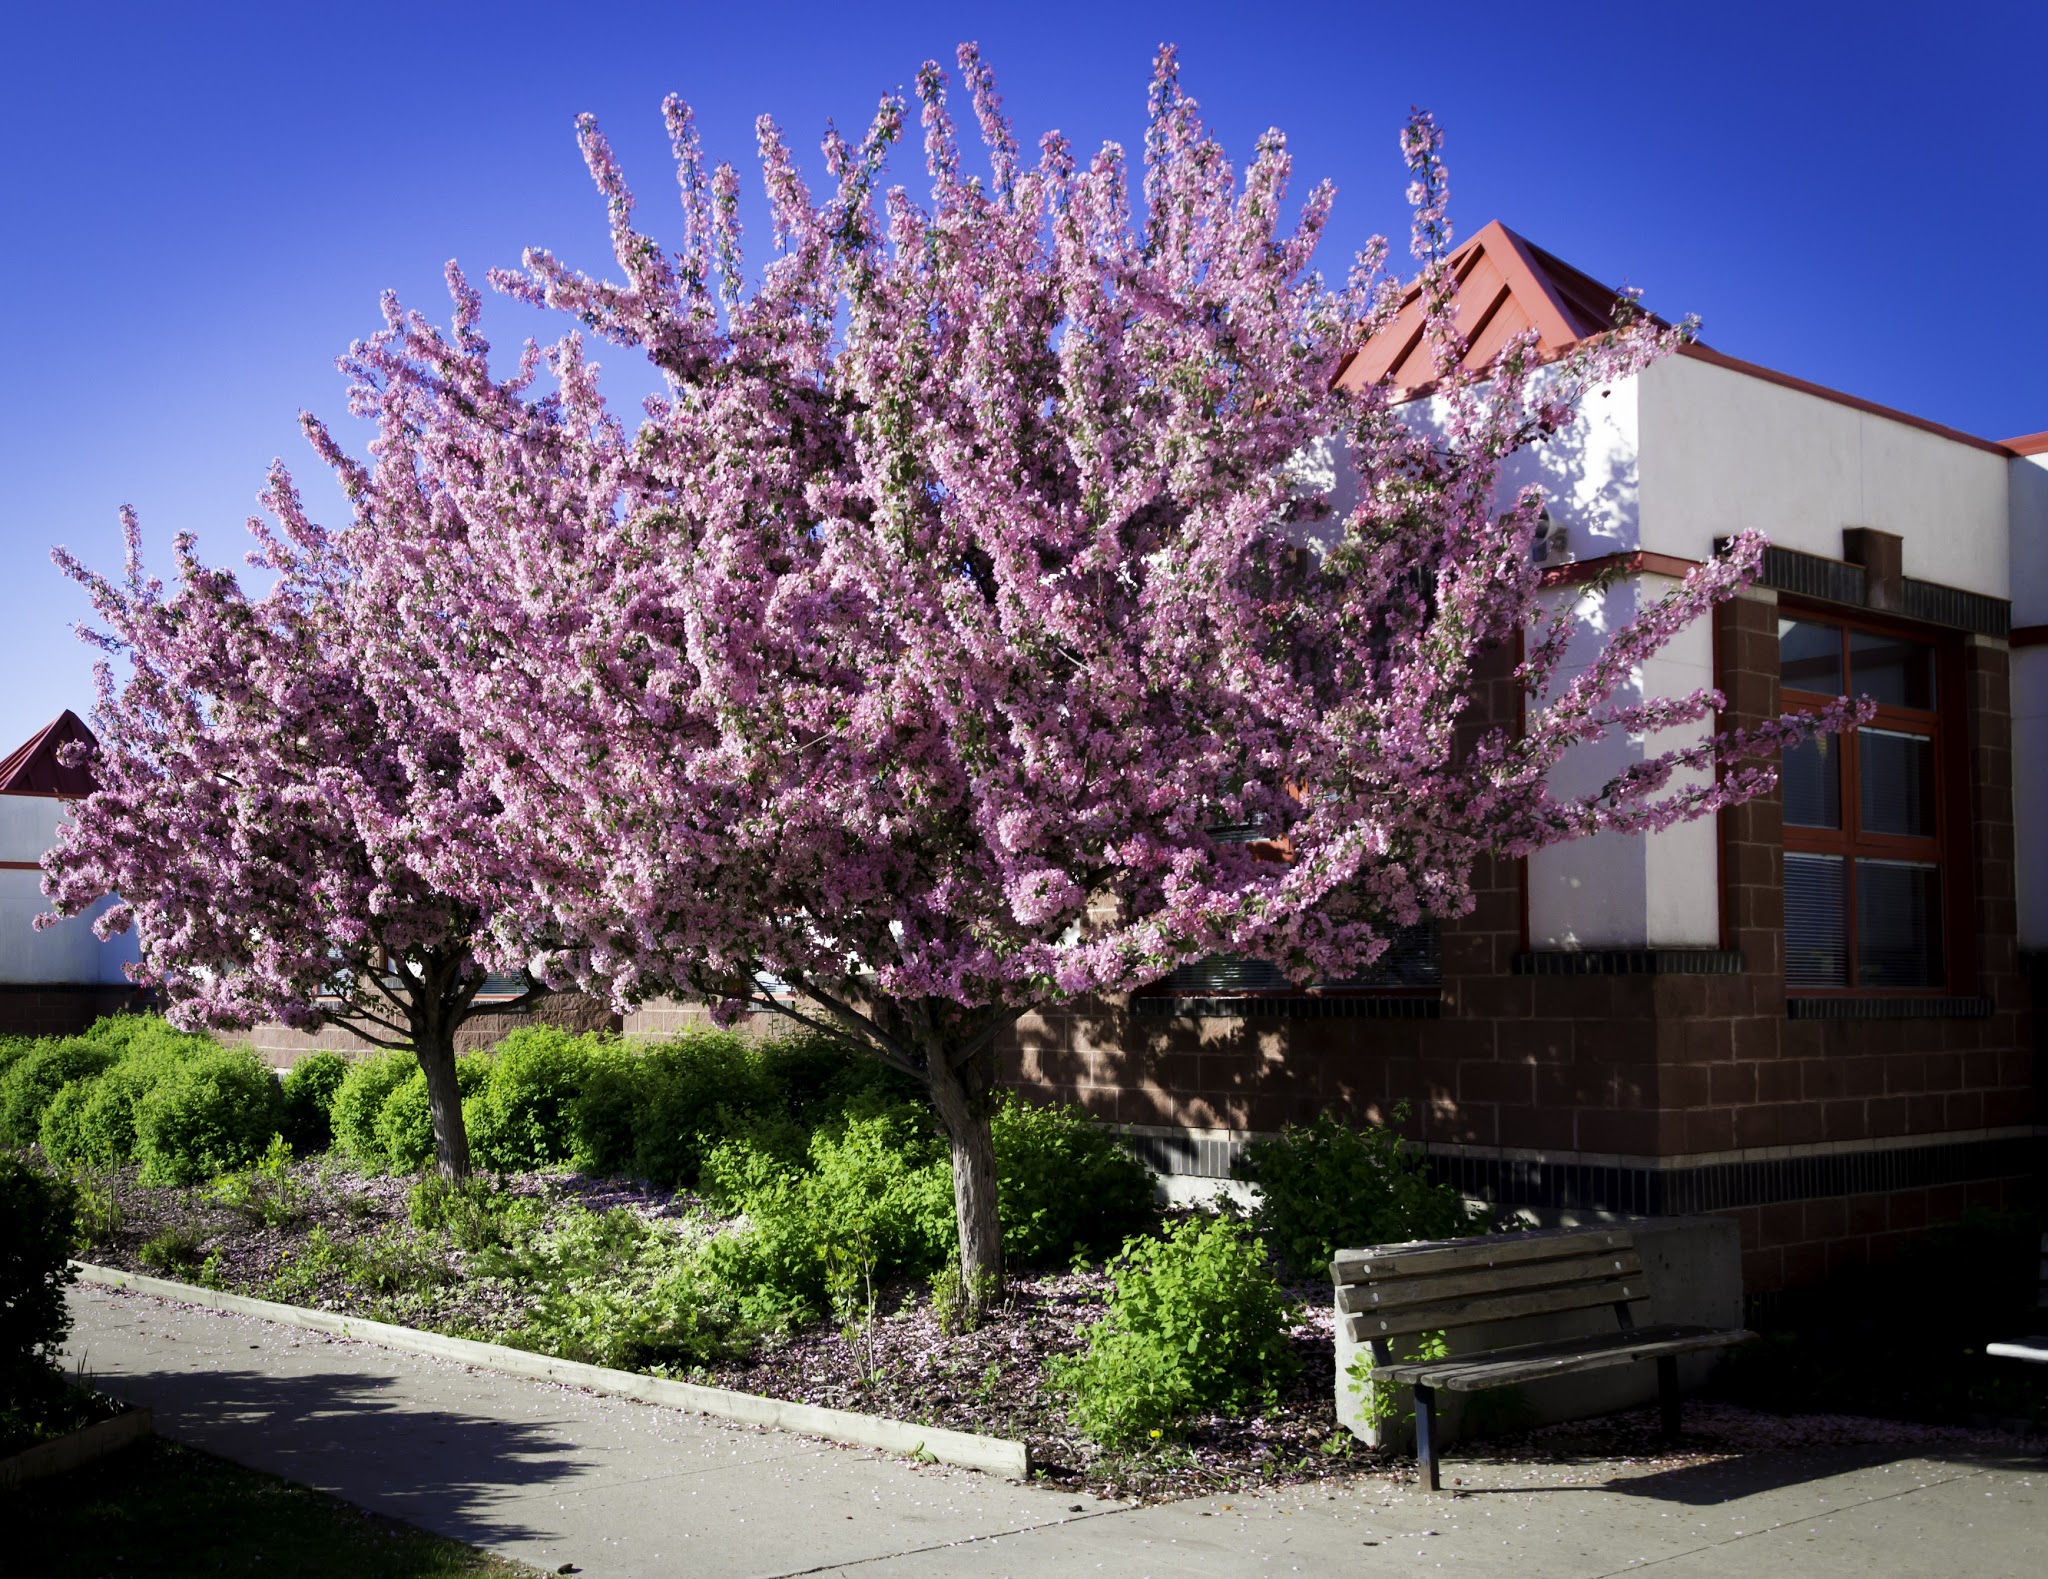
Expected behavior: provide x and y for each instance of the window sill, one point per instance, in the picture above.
(1851, 1008)
(1291, 1006)
(1629, 962)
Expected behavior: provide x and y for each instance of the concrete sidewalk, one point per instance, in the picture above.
(548, 1476)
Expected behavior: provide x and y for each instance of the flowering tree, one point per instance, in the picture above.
(263, 818)
(897, 670)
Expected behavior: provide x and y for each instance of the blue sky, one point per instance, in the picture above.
(203, 202)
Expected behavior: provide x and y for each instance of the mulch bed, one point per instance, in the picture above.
(993, 1380)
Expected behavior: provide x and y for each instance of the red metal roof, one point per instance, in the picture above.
(32, 768)
(1507, 284)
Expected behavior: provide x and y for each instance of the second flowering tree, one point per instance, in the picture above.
(902, 665)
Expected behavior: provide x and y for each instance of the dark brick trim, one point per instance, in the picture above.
(1810, 576)
(1725, 1186)
(1970, 611)
(1630, 962)
(1301, 1006)
(1888, 1008)
(1835, 581)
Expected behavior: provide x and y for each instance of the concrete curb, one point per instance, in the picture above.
(75, 1451)
(968, 1450)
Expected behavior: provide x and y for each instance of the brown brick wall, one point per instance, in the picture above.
(64, 1010)
(1648, 1066)
(1791, 1244)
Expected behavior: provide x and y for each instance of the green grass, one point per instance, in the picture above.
(168, 1511)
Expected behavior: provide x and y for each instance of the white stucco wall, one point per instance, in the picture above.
(2029, 483)
(1630, 891)
(67, 954)
(1723, 451)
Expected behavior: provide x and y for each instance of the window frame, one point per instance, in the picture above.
(1948, 848)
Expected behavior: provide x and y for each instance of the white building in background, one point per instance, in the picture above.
(59, 980)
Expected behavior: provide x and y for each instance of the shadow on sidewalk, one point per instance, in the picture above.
(344, 1433)
(1730, 1453)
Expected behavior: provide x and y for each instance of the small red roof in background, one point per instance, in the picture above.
(32, 768)
(1506, 285)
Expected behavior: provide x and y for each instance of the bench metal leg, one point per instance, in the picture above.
(1425, 1435)
(1667, 1394)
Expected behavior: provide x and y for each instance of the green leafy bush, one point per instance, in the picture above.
(475, 1215)
(404, 1129)
(1067, 1185)
(36, 1230)
(1196, 1325)
(36, 1076)
(874, 1200)
(1326, 1186)
(265, 1191)
(91, 1122)
(690, 1094)
(360, 1098)
(601, 1119)
(309, 1089)
(212, 1112)
(615, 1289)
(178, 1251)
(524, 1113)
(146, 1036)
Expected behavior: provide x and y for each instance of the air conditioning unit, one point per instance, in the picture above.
(1552, 543)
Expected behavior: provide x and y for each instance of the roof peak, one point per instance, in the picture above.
(1507, 285)
(32, 768)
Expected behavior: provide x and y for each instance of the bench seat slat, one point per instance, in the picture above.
(1465, 1312)
(1425, 1256)
(1559, 1357)
(1396, 1292)
(2034, 1349)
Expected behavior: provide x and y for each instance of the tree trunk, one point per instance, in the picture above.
(965, 1100)
(436, 1050)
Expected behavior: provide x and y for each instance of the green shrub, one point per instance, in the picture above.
(265, 1191)
(404, 1129)
(474, 1215)
(614, 1289)
(874, 1202)
(213, 1112)
(1196, 1325)
(36, 1232)
(91, 1122)
(12, 1050)
(601, 1119)
(358, 1100)
(35, 1078)
(309, 1088)
(146, 1035)
(523, 1115)
(690, 1094)
(178, 1251)
(1325, 1186)
(1068, 1185)
(62, 1131)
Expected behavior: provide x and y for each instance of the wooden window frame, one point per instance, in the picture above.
(1948, 848)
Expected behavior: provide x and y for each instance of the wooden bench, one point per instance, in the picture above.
(1397, 1291)
(2036, 1347)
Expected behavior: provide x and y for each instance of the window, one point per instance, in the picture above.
(1864, 819)
(1411, 962)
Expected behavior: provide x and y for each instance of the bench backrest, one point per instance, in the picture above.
(1393, 1290)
